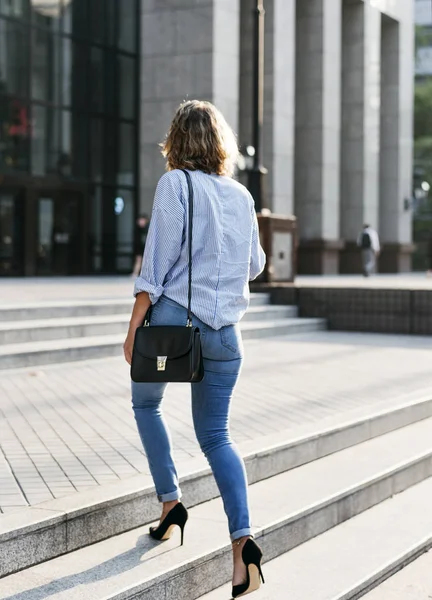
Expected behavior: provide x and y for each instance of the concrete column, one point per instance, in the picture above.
(226, 58)
(317, 138)
(396, 142)
(189, 50)
(361, 26)
(280, 112)
(279, 97)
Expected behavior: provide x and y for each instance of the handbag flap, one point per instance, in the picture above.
(171, 341)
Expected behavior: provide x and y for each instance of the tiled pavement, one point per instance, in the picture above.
(70, 427)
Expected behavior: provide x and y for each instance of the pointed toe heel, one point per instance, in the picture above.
(177, 516)
(252, 556)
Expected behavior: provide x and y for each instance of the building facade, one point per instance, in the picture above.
(88, 89)
(69, 72)
(337, 115)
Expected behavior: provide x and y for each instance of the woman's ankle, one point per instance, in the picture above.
(167, 506)
(240, 542)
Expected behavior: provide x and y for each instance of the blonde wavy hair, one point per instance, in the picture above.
(200, 139)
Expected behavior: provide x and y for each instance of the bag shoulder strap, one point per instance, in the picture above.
(191, 206)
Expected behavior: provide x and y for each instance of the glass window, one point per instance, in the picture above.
(62, 81)
(111, 83)
(127, 25)
(127, 86)
(13, 58)
(124, 212)
(73, 155)
(97, 80)
(96, 149)
(110, 151)
(44, 140)
(126, 169)
(14, 135)
(96, 229)
(11, 238)
(97, 20)
(42, 74)
(78, 76)
(45, 236)
(75, 18)
(38, 141)
(46, 14)
(111, 21)
(14, 8)
(69, 80)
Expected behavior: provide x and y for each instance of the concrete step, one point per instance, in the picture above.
(83, 308)
(328, 492)
(414, 582)
(29, 354)
(270, 313)
(13, 332)
(347, 561)
(261, 329)
(59, 526)
(65, 309)
(62, 328)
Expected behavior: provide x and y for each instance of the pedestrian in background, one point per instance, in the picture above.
(226, 255)
(369, 243)
(140, 239)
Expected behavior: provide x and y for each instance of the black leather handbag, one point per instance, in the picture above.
(170, 353)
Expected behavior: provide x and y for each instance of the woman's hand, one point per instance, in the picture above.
(128, 345)
(141, 306)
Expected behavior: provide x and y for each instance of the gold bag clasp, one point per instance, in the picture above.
(161, 363)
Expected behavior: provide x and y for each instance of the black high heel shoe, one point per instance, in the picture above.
(251, 555)
(176, 516)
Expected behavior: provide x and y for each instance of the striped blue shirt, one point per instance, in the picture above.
(226, 249)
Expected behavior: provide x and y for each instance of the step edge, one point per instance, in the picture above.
(387, 571)
(392, 472)
(84, 320)
(55, 516)
(192, 474)
(260, 534)
(98, 341)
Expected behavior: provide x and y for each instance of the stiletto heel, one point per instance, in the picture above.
(176, 516)
(251, 555)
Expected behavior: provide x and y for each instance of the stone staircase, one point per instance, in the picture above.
(67, 331)
(337, 511)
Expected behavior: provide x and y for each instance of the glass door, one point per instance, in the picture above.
(11, 234)
(60, 241)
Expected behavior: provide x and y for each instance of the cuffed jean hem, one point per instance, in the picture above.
(170, 497)
(241, 533)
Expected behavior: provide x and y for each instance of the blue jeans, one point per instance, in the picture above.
(223, 352)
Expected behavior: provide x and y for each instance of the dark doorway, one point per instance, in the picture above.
(11, 232)
(61, 243)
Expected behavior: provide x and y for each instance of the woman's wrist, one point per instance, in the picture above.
(142, 304)
(134, 323)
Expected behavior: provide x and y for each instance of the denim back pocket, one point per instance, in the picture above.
(231, 340)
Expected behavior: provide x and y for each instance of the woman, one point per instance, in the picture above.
(226, 256)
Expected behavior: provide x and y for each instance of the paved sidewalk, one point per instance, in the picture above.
(68, 428)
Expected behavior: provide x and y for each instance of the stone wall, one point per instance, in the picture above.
(359, 309)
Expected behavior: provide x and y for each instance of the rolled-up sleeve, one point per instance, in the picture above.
(165, 236)
(258, 257)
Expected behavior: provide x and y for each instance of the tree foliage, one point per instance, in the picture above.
(423, 110)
